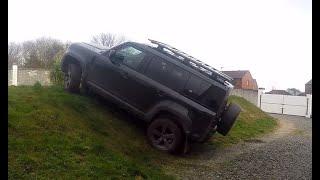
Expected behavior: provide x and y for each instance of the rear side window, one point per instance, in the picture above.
(204, 92)
(167, 73)
(195, 87)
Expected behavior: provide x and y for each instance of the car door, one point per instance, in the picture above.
(135, 87)
(104, 74)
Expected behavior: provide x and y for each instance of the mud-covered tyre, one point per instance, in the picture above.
(72, 78)
(84, 88)
(165, 135)
(228, 118)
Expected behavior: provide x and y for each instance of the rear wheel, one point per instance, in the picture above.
(72, 78)
(165, 135)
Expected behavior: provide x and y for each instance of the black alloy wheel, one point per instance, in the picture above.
(165, 135)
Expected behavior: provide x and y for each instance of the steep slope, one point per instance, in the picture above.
(54, 134)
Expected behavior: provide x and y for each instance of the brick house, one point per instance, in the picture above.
(242, 79)
(308, 87)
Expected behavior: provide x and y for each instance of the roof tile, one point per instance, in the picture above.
(236, 74)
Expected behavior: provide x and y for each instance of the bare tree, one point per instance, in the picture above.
(14, 54)
(108, 39)
(30, 55)
(41, 53)
(67, 45)
(47, 48)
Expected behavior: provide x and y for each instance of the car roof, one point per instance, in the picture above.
(216, 75)
(172, 59)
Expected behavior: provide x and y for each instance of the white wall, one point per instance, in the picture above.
(18, 76)
(249, 95)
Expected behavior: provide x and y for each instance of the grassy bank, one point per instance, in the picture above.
(54, 134)
(251, 123)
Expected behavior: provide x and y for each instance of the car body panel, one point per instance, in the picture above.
(142, 95)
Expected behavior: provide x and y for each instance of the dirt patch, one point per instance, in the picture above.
(284, 128)
(254, 141)
(205, 158)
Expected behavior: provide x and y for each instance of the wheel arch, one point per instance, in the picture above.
(69, 59)
(173, 111)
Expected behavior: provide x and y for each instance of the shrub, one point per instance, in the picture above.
(56, 75)
(37, 86)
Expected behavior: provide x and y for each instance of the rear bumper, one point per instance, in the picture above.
(207, 133)
(221, 124)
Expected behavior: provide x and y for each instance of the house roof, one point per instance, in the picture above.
(282, 92)
(236, 74)
(310, 82)
(255, 82)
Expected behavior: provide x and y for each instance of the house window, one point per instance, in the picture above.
(247, 82)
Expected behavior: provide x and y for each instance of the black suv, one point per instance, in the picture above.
(181, 98)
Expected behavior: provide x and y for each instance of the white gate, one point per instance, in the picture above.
(286, 104)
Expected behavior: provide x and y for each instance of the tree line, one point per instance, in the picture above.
(45, 52)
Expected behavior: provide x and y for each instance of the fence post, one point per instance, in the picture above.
(309, 108)
(15, 75)
(260, 92)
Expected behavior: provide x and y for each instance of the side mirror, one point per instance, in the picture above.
(111, 53)
(114, 57)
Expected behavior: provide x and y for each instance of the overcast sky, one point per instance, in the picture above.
(271, 38)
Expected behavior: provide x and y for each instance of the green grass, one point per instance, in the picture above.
(251, 123)
(57, 135)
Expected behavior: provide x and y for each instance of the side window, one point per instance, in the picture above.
(132, 57)
(195, 87)
(167, 74)
(212, 97)
(203, 92)
(192, 87)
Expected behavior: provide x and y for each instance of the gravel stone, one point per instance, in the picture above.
(284, 154)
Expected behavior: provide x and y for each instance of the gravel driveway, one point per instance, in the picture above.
(285, 154)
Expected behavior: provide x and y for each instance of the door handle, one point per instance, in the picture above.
(125, 75)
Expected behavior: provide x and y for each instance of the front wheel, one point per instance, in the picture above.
(72, 78)
(165, 135)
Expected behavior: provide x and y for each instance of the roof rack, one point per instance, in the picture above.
(191, 61)
(101, 48)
